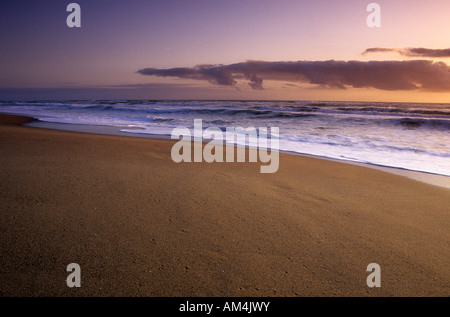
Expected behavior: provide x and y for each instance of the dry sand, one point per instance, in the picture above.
(141, 225)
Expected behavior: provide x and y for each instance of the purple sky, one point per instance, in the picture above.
(42, 58)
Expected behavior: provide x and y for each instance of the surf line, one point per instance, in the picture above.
(258, 140)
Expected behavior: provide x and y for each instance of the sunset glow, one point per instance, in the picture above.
(42, 57)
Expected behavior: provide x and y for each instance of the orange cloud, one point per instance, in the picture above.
(411, 52)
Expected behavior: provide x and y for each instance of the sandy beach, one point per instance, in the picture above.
(139, 224)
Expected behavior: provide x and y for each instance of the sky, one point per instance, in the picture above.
(246, 49)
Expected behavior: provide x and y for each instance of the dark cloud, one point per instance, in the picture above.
(411, 52)
(385, 75)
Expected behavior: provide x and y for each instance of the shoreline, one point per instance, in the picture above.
(139, 224)
(442, 181)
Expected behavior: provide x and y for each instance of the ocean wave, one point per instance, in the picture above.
(404, 135)
(384, 110)
(194, 112)
(414, 123)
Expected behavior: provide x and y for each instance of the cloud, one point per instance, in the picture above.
(411, 52)
(384, 75)
(288, 85)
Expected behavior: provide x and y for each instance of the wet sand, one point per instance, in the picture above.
(139, 224)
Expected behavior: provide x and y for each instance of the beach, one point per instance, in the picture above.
(139, 224)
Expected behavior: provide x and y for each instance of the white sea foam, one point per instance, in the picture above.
(409, 136)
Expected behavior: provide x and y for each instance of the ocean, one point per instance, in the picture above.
(401, 135)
